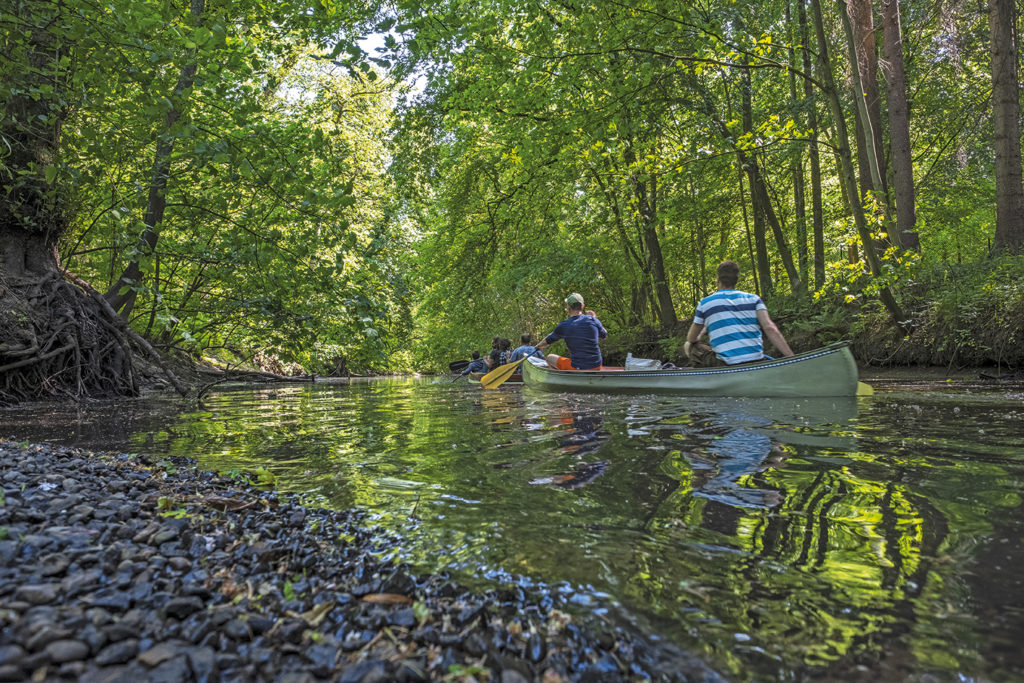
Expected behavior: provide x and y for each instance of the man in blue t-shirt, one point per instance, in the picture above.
(525, 349)
(734, 321)
(581, 332)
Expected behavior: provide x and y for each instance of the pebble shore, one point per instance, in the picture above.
(121, 568)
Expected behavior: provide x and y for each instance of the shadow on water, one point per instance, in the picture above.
(776, 538)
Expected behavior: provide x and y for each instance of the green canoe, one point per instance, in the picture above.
(829, 371)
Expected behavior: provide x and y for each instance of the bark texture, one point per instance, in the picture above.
(899, 128)
(1002, 19)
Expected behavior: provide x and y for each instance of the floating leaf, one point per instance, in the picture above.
(387, 599)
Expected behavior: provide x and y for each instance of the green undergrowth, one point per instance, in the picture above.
(957, 315)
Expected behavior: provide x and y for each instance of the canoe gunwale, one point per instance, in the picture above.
(543, 376)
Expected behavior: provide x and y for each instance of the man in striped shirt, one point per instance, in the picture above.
(734, 321)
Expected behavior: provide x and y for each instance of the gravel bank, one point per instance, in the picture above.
(113, 568)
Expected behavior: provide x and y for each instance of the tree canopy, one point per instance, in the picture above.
(242, 179)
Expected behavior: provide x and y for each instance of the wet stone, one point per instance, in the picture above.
(404, 617)
(109, 599)
(323, 657)
(291, 630)
(163, 535)
(236, 629)
(67, 651)
(10, 672)
(180, 608)
(158, 654)
(45, 635)
(38, 594)
(474, 645)
(11, 654)
(513, 676)
(118, 653)
(8, 551)
(365, 672)
(203, 663)
(54, 565)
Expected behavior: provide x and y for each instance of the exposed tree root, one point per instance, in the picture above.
(55, 341)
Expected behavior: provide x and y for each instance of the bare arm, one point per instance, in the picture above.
(771, 331)
(691, 337)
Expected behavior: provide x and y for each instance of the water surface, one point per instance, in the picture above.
(778, 539)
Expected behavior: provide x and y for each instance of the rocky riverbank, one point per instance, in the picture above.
(113, 568)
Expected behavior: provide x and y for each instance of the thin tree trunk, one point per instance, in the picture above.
(847, 175)
(797, 166)
(1002, 21)
(156, 203)
(763, 207)
(899, 128)
(863, 28)
(747, 164)
(817, 215)
(746, 229)
(860, 63)
(647, 201)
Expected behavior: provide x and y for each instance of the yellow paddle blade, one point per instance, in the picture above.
(497, 376)
(864, 389)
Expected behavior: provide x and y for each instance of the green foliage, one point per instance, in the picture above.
(167, 508)
(265, 477)
(364, 213)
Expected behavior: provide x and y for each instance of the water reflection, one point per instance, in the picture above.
(776, 538)
(585, 435)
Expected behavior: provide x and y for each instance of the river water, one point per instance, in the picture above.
(777, 539)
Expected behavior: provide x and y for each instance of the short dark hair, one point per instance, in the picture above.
(525, 337)
(476, 354)
(728, 273)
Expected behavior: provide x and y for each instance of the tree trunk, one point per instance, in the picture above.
(864, 67)
(122, 294)
(1002, 21)
(847, 175)
(647, 202)
(746, 229)
(764, 269)
(899, 128)
(764, 211)
(797, 166)
(54, 339)
(817, 215)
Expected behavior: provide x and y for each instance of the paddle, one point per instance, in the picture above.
(864, 389)
(496, 377)
(458, 365)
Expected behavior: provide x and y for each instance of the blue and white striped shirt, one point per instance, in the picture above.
(731, 320)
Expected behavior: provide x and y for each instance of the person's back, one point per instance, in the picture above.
(734, 332)
(476, 365)
(581, 334)
(524, 349)
(734, 321)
